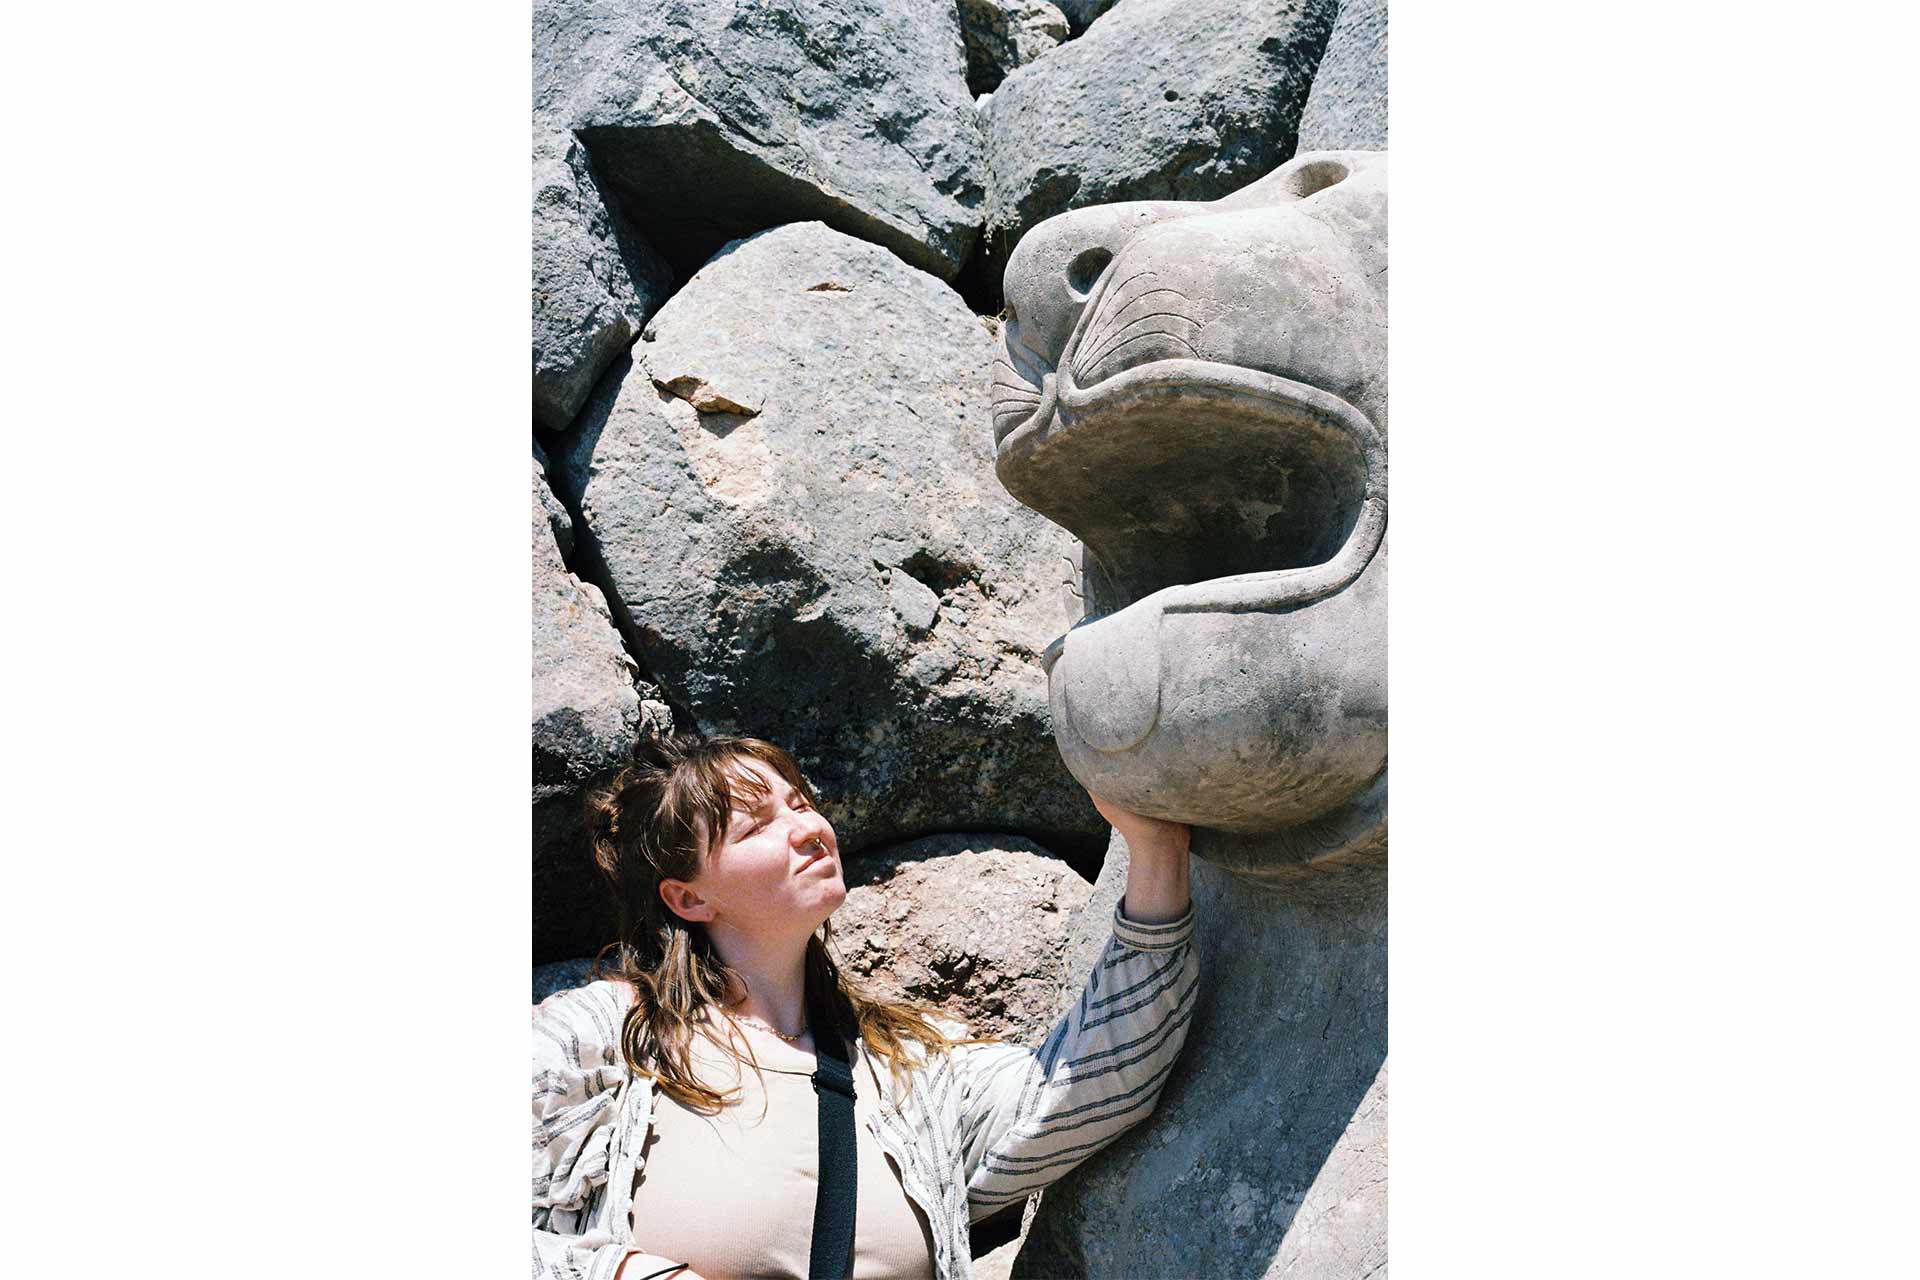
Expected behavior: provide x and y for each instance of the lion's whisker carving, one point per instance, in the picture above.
(1140, 337)
(1142, 295)
(1083, 363)
(1138, 275)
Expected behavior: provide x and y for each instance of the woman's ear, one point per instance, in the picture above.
(683, 901)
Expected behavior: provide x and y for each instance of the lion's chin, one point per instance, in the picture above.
(1216, 503)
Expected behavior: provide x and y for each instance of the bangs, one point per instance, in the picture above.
(709, 789)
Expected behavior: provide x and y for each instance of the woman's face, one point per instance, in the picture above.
(777, 869)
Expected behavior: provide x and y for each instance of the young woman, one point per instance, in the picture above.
(675, 1127)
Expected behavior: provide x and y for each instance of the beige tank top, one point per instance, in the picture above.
(732, 1195)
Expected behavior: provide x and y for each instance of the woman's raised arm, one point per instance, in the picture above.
(1028, 1116)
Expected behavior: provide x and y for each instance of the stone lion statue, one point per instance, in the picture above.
(1198, 391)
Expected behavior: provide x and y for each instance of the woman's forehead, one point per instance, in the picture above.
(749, 781)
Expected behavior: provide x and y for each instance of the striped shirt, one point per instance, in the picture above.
(972, 1130)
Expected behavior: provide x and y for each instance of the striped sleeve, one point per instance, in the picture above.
(1028, 1116)
(577, 1075)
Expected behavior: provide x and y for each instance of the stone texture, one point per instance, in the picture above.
(972, 925)
(1200, 392)
(1159, 100)
(1081, 13)
(588, 709)
(560, 975)
(1207, 410)
(1001, 35)
(595, 281)
(1347, 106)
(1266, 1156)
(712, 119)
(771, 565)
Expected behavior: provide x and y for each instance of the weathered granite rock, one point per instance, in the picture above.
(588, 709)
(1266, 1156)
(1347, 106)
(714, 119)
(1200, 392)
(972, 925)
(1159, 100)
(560, 975)
(595, 281)
(771, 558)
(1003, 34)
(1081, 13)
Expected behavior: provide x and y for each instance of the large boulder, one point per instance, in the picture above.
(1347, 107)
(787, 492)
(713, 119)
(1003, 34)
(588, 709)
(972, 925)
(595, 281)
(1159, 100)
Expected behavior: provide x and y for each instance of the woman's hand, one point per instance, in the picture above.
(1157, 868)
(1141, 832)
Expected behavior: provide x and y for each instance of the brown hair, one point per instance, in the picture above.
(645, 829)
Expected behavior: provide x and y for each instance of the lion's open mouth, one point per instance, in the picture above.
(1226, 488)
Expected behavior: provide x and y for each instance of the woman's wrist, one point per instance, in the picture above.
(1157, 879)
(1158, 856)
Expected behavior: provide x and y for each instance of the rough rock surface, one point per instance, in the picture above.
(560, 975)
(587, 711)
(1159, 100)
(714, 119)
(1081, 13)
(595, 281)
(1266, 1156)
(1004, 34)
(773, 485)
(972, 925)
(1347, 106)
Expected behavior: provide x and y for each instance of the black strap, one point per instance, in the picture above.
(832, 1257)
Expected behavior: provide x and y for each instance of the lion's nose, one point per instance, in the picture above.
(1057, 265)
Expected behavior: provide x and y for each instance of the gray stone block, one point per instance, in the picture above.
(1001, 35)
(712, 120)
(595, 281)
(1347, 107)
(739, 544)
(1159, 100)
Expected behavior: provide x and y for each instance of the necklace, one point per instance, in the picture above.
(752, 1021)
